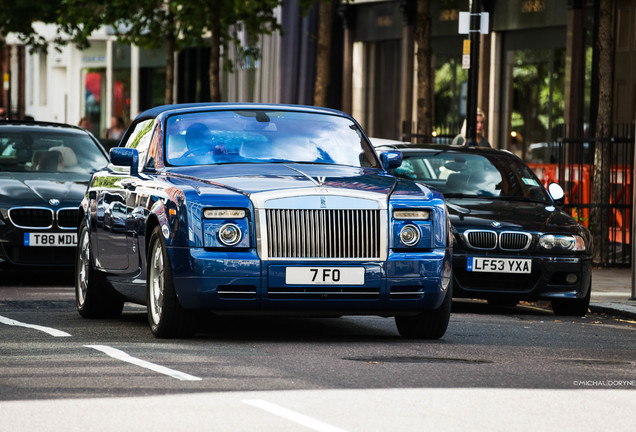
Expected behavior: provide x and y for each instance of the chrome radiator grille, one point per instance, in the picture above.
(323, 233)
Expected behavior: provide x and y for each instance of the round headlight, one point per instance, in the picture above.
(409, 235)
(230, 234)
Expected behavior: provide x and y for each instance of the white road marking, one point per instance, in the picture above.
(288, 414)
(120, 355)
(49, 330)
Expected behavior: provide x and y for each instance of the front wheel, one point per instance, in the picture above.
(93, 297)
(575, 307)
(427, 324)
(166, 316)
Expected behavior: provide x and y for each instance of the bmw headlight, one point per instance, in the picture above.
(230, 234)
(409, 235)
(562, 242)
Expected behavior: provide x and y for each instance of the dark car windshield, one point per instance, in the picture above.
(44, 151)
(257, 136)
(483, 175)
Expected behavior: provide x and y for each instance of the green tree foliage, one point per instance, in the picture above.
(152, 24)
(19, 16)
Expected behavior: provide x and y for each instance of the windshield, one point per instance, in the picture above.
(461, 174)
(26, 150)
(258, 136)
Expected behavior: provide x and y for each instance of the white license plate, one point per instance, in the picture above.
(324, 275)
(499, 265)
(50, 239)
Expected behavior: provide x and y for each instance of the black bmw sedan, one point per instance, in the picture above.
(512, 241)
(44, 172)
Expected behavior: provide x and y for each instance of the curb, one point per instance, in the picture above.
(624, 311)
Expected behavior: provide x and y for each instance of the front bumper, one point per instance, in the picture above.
(548, 279)
(240, 281)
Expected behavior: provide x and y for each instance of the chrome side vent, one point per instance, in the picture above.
(323, 233)
(323, 293)
(236, 291)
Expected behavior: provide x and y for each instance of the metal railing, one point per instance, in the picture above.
(570, 161)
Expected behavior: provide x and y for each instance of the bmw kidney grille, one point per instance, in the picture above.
(489, 240)
(43, 218)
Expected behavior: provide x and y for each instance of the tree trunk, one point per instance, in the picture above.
(169, 92)
(215, 52)
(599, 216)
(323, 53)
(424, 71)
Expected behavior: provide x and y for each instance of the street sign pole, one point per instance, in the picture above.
(633, 233)
(473, 72)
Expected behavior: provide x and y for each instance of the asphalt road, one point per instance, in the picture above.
(496, 369)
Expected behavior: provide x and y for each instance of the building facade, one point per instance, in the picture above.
(536, 69)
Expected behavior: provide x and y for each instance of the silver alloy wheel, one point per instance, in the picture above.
(84, 258)
(156, 283)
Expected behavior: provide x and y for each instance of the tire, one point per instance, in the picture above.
(166, 317)
(93, 297)
(430, 324)
(574, 307)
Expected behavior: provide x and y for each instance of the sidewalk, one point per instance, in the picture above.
(611, 292)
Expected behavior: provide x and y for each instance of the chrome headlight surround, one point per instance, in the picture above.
(410, 235)
(412, 228)
(225, 227)
(230, 234)
(571, 243)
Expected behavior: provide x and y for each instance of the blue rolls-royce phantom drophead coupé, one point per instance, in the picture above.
(254, 208)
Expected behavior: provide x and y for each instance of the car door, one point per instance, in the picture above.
(110, 224)
(138, 189)
(116, 201)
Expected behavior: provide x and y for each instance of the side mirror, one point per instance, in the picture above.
(127, 157)
(557, 193)
(391, 159)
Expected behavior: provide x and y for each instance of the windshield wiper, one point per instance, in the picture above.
(524, 199)
(461, 195)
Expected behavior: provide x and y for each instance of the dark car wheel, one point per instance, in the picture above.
(93, 297)
(427, 324)
(576, 307)
(166, 316)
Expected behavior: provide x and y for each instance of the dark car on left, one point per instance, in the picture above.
(44, 171)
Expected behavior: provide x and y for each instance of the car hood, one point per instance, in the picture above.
(479, 213)
(36, 190)
(254, 178)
